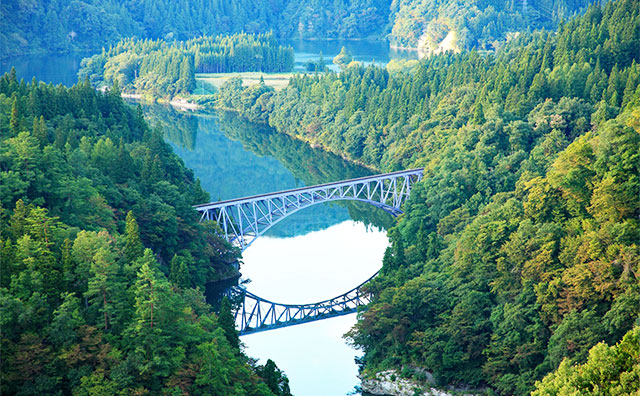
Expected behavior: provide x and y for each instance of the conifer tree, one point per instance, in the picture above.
(103, 286)
(277, 382)
(39, 130)
(147, 291)
(187, 81)
(67, 264)
(343, 58)
(227, 323)
(14, 122)
(133, 246)
(179, 272)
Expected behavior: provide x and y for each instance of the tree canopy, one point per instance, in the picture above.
(102, 258)
(161, 68)
(523, 234)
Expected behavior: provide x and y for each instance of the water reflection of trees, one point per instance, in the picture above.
(178, 127)
(295, 164)
(312, 166)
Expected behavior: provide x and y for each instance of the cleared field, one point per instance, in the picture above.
(215, 80)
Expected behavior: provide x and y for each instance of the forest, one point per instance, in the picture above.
(518, 252)
(159, 69)
(102, 258)
(481, 24)
(515, 268)
(31, 26)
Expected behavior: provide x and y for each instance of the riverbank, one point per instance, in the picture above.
(389, 383)
(178, 103)
(183, 104)
(401, 48)
(314, 144)
(423, 49)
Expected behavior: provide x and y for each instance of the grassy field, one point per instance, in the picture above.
(213, 81)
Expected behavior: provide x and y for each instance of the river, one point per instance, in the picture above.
(313, 255)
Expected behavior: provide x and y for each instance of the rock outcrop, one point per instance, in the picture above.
(389, 383)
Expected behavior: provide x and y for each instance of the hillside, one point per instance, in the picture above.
(482, 24)
(519, 248)
(28, 26)
(54, 26)
(102, 258)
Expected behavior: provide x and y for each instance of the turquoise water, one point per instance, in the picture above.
(314, 255)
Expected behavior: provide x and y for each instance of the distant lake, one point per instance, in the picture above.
(50, 68)
(364, 51)
(63, 68)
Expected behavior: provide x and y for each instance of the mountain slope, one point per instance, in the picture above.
(102, 258)
(523, 234)
(28, 26)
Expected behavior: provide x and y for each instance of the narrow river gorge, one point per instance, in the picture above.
(316, 254)
(313, 255)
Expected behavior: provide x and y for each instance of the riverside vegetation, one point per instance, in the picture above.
(102, 259)
(157, 68)
(516, 258)
(520, 247)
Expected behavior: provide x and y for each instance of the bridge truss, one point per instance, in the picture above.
(243, 220)
(255, 314)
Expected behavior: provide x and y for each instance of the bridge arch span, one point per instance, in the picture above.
(245, 219)
(389, 209)
(255, 314)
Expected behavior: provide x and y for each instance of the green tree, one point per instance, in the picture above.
(187, 81)
(40, 131)
(611, 370)
(277, 382)
(179, 271)
(14, 122)
(133, 248)
(343, 58)
(104, 287)
(228, 324)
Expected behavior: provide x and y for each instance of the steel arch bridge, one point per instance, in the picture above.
(243, 220)
(256, 314)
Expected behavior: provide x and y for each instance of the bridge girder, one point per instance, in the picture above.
(245, 219)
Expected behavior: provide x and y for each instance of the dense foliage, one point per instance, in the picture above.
(483, 24)
(28, 26)
(31, 26)
(388, 120)
(608, 371)
(159, 68)
(100, 254)
(524, 232)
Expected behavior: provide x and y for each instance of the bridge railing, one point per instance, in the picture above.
(310, 189)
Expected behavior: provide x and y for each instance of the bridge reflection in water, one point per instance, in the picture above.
(243, 220)
(256, 314)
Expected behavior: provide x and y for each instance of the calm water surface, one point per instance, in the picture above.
(316, 254)
(55, 69)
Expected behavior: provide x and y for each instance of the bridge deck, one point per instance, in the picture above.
(301, 189)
